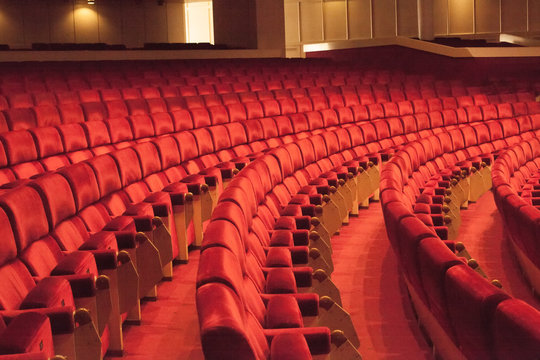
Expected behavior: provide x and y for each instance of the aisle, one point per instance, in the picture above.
(366, 272)
(170, 327)
(482, 232)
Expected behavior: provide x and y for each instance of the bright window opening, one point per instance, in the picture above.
(199, 22)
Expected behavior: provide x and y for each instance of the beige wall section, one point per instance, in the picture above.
(37, 30)
(110, 22)
(488, 16)
(359, 12)
(11, 23)
(335, 24)
(534, 15)
(461, 14)
(470, 17)
(175, 22)
(384, 18)
(270, 24)
(311, 21)
(292, 22)
(85, 18)
(155, 21)
(407, 18)
(61, 22)
(130, 22)
(440, 17)
(513, 16)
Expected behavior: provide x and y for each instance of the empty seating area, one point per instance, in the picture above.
(111, 173)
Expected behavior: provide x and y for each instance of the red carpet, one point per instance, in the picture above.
(366, 272)
(482, 232)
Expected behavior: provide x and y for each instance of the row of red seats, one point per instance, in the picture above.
(379, 93)
(515, 172)
(233, 110)
(328, 73)
(57, 146)
(238, 85)
(464, 313)
(84, 79)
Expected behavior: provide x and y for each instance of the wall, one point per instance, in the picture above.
(235, 23)
(313, 21)
(486, 17)
(129, 22)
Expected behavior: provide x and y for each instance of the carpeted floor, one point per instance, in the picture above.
(483, 234)
(372, 292)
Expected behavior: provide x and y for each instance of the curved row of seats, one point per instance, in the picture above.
(464, 314)
(29, 152)
(45, 115)
(94, 74)
(515, 177)
(245, 91)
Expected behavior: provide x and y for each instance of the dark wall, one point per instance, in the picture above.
(417, 61)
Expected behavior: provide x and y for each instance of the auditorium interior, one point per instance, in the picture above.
(270, 179)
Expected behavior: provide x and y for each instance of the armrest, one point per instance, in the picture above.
(317, 338)
(125, 239)
(81, 285)
(307, 302)
(287, 255)
(227, 173)
(105, 259)
(143, 223)
(160, 209)
(211, 180)
(289, 238)
(62, 319)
